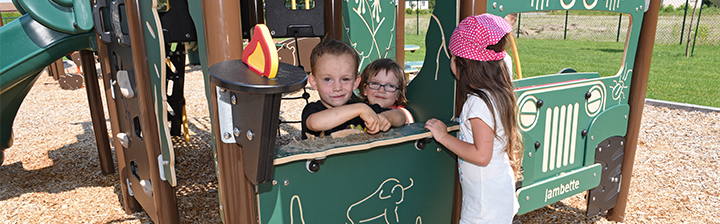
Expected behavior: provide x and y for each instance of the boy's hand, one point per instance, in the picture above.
(384, 122)
(371, 119)
(437, 127)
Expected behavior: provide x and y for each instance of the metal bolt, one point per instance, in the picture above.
(594, 174)
(622, 143)
(249, 135)
(221, 207)
(187, 35)
(227, 135)
(625, 117)
(636, 9)
(593, 198)
(527, 198)
(236, 131)
(287, 182)
(530, 154)
(223, 90)
(501, 7)
(272, 32)
(165, 162)
(640, 7)
(592, 137)
(494, 5)
(234, 100)
(599, 149)
(274, 182)
(438, 149)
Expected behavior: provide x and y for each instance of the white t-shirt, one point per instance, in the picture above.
(488, 191)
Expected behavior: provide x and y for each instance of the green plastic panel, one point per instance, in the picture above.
(369, 26)
(73, 17)
(553, 79)
(432, 93)
(155, 50)
(611, 122)
(557, 188)
(391, 184)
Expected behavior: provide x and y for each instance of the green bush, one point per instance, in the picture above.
(668, 8)
(409, 11)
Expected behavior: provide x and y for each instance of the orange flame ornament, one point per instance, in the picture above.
(260, 54)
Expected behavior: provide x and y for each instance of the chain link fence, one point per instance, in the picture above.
(700, 27)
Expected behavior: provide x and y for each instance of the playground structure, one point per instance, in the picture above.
(144, 116)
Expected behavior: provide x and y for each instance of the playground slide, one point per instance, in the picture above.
(26, 48)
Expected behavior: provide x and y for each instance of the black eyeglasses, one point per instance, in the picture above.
(388, 87)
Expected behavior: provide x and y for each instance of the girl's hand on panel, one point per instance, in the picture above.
(437, 127)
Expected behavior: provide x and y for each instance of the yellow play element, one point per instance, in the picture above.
(260, 54)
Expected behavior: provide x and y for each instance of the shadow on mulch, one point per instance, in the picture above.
(74, 165)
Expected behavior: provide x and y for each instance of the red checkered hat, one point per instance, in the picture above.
(472, 36)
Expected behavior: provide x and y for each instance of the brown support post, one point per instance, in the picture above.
(471, 8)
(163, 193)
(96, 112)
(641, 71)
(224, 42)
(333, 19)
(129, 203)
(400, 34)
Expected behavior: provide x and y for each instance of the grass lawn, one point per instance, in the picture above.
(673, 77)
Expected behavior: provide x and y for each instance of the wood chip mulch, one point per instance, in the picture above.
(51, 174)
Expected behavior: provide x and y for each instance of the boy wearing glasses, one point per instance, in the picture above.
(334, 75)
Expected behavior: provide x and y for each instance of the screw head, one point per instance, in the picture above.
(187, 35)
(494, 5)
(236, 131)
(227, 135)
(501, 8)
(249, 135)
(274, 182)
(527, 198)
(530, 154)
(438, 149)
(234, 99)
(287, 182)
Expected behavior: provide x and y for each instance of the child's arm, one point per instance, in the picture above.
(479, 153)
(332, 117)
(395, 116)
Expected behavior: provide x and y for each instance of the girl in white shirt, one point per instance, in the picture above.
(489, 144)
